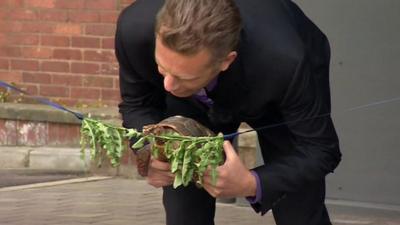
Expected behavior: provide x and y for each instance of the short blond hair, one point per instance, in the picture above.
(187, 26)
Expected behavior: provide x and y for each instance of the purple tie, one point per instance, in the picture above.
(202, 94)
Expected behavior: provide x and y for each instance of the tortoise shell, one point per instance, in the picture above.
(179, 124)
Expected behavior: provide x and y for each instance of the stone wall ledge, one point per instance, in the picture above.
(43, 113)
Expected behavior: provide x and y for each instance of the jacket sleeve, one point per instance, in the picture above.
(305, 109)
(142, 102)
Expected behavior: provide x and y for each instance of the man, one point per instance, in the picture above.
(222, 62)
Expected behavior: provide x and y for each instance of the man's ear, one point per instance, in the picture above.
(228, 60)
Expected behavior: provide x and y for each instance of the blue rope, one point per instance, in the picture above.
(42, 100)
(369, 105)
(227, 136)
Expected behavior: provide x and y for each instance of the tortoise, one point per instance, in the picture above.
(176, 124)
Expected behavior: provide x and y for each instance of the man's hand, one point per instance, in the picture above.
(234, 179)
(159, 174)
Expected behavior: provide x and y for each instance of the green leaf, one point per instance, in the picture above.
(186, 165)
(132, 133)
(174, 165)
(178, 180)
(139, 144)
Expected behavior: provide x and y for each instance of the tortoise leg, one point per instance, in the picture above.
(143, 160)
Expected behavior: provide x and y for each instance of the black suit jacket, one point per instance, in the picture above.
(281, 75)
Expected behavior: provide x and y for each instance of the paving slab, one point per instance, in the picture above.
(68, 159)
(16, 177)
(12, 157)
(125, 201)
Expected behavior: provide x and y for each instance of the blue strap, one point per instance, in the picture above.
(42, 100)
(369, 105)
(227, 136)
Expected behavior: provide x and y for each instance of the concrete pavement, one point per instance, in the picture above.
(16, 177)
(120, 201)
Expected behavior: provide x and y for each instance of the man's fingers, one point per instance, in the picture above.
(229, 150)
(209, 189)
(157, 164)
(159, 182)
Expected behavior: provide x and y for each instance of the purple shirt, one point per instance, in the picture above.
(257, 198)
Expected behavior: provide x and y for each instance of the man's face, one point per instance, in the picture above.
(184, 75)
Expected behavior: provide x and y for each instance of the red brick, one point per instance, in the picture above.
(53, 91)
(36, 52)
(85, 68)
(3, 130)
(23, 39)
(68, 29)
(109, 17)
(84, 17)
(56, 132)
(37, 27)
(10, 51)
(68, 54)
(70, 4)
(72, 135)
(10, 26)
(101, 4)
(4, 14)
(32, 133)
(85, 93)
(28, 65)
(110, 68)
(68, 101)
(110, 94)
(52, 15)
(32, 89)
(100, 56)
(116, 83)
(52, 138)
(11, 3)
(22, 14)
(100, 30)
(85, 42)
(3, 40)
(107, 43)
(38, 78)
(67, 80)
(4, 64)
(40, 3)
(56, 41)
(11, 76)
(8, 132)
(97, 81)
(63, 134)
(55, 66)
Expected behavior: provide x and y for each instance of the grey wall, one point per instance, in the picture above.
(365, 41)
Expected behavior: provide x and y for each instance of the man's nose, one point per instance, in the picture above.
(170, 83)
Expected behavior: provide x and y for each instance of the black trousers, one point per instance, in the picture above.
(194, 206)
(305, 207)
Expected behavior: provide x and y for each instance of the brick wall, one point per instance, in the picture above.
(31, 133)
(61, 49)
